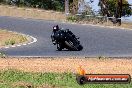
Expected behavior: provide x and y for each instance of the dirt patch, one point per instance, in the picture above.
(59, 65)
(127, 25)
(30, 85)
(13, 11)
(47, 86)
(23, 85)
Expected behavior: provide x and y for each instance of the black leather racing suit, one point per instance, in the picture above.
(53, 37)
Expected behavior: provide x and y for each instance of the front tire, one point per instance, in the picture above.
(59, 47)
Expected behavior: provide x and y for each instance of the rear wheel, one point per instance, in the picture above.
(75, 46)
(80, 47)
(71, 45)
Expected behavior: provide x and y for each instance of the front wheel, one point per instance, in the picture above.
(59, 47)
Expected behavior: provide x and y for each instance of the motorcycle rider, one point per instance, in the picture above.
(56, 29)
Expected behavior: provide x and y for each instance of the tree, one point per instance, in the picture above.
(116, 8)
(113, 5)
(43, 4)
(73, 6)
(76, 5)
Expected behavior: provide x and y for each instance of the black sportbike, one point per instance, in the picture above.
(66, 40)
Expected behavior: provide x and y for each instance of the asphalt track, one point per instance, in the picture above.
(97, 41)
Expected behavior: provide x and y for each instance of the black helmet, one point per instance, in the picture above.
(56, 28)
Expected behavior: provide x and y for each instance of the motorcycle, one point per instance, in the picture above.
(66, 40)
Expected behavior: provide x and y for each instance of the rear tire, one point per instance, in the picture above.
(80, 47)
(71, 46)
(75, 47)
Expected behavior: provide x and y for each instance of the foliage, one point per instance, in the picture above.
(43, 4)
(113, 5)
(126, 10)
(2, 54)
(22, 38)
(72, 18)
(10, 42)
(73, 6)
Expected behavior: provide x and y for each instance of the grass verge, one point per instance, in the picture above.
(59, 72)
(20, 79)
(6, 10)
(10, 38)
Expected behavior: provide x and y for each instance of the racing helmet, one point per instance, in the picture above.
(56, 28)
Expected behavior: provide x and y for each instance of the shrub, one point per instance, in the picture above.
(10, 42)
(22, 39)
(2, 54)
(72, 18)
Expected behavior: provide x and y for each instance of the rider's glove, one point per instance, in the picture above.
(54, 42)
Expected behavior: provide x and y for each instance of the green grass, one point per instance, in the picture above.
(10, 42)
(2, 54)
(9, 78)
(72, 18)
